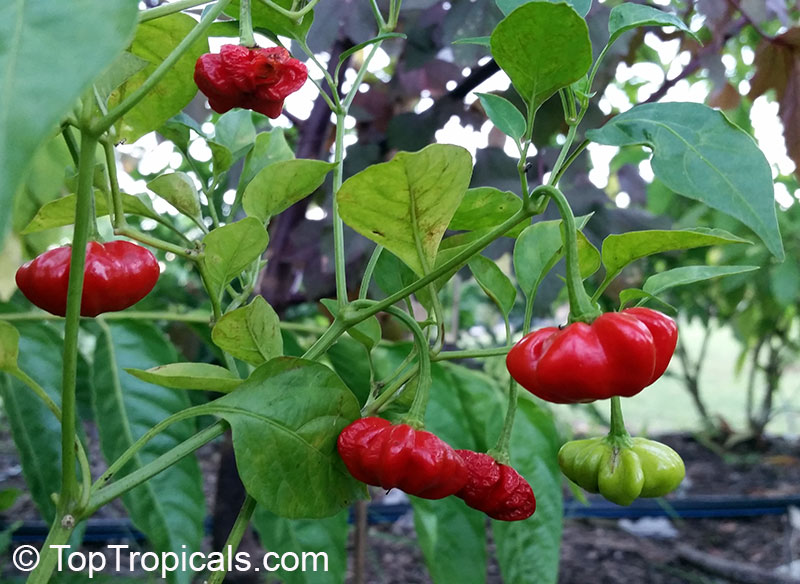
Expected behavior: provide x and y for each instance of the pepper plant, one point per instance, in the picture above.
(287, 409)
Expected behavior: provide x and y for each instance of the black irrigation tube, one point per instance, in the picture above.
(107, 530)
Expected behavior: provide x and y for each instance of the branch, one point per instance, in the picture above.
(732, 570)
(697, 61)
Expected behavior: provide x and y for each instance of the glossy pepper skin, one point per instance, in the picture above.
(388, 455)
(622, 473)
(496, 489)
(618, 354)
(117, 275)
(256, 79)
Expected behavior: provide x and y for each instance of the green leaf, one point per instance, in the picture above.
(453, 540)
(176, 129)
(486, 207)
(7, 498)
(169, 508)
(204, 376)
(314, 537)
(539, 247)
(273, 21)
(581, 6)
(700, 154)
(367, 332)
(534, 448)
(784, 282)
(658, 283)
(361, 46)
(34, 428)
(406, 204)
(154, 41)
(588, 257)
(251, 333)
(281, 184)
(125, 66)
(286, 418)
(504, 114)
(230, 249)
(9, 347)
(177, 188)
(391, 275)
(235, 131)
(543, 47)
(234, 135)
(269, 147)
(61, 212)
(620, 250)
(483, 41)
(50, 53)
(494, 283)
(628, 15)
(629, 295)
(352, 364)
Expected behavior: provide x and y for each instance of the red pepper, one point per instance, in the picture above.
(619, 354)
(496, 489)
(388, 455)
(117, 275)
(256, 79)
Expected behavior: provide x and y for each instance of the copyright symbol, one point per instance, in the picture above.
(25, 558)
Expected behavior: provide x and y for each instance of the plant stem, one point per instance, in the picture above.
(72, 144)
(83, 220)
(389, 392)
(581, 308)
(454, 262)
(368, 271)
(416, 415)
(470, 354)
(59, 534)
(235, 537)
(190, 317)
(500, 452)
(123, 459)
(163, 462)
(167, 9)
(293, 14)
(556, 176)
(103, 124)
(246, 38)
(340, 261)
(617, 429)
(135, 234)
(325, 341)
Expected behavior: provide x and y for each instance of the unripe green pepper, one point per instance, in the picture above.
(622, 468)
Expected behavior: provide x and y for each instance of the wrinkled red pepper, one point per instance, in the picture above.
(496, 489)
(618, 354)
(256, 79)
(388, 455)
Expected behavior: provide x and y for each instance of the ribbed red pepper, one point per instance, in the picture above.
(388, 455)
(496, 489)
(117, 275)
(618, 354)
(256, 79)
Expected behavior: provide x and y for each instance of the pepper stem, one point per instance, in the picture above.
(617, 433)
(581, 308)
(246, 38)
(500, 452)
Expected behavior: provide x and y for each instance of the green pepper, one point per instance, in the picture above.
(622, 468)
